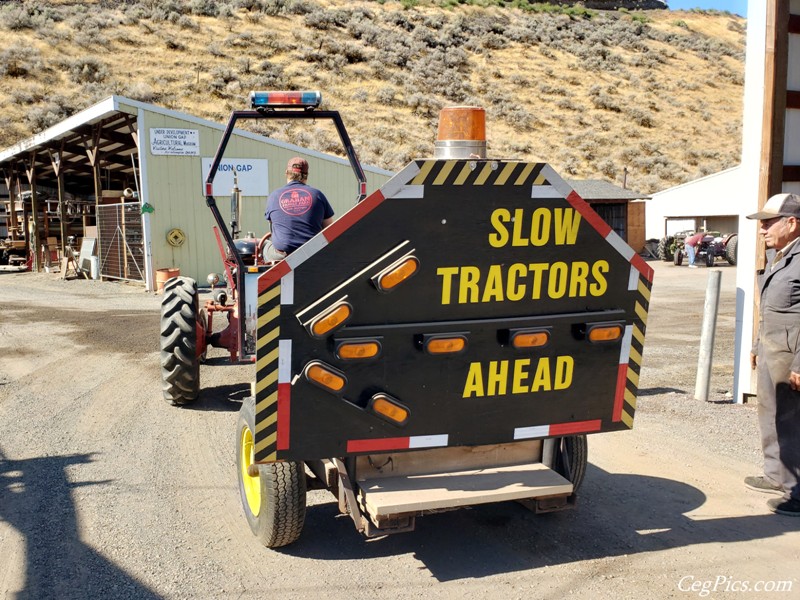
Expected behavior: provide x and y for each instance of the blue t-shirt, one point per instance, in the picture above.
(296, 212)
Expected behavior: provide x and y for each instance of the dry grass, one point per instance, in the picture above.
(658, 93)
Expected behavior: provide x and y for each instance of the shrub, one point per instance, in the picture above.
(20, 61)
(89, 69)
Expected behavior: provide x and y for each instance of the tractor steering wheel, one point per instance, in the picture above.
(260, 248)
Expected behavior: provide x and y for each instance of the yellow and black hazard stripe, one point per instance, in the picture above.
(482, 172)
(641, 305)
(266, 392)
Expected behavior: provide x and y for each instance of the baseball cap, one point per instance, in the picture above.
(780, 205)
(298, 165)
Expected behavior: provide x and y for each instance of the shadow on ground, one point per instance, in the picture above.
(35, 499)
(616, 515)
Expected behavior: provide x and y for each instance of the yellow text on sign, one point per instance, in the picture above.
(518, 281)
(520, 376)
(541, 227)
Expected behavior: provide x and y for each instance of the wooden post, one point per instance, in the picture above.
(55, 158)
(93, 152)
(770, 173)
(34, 239)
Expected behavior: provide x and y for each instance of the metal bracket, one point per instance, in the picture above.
(347, 498)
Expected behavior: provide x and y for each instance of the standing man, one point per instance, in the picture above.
(776, 355)
(296, 212)
(691, 247)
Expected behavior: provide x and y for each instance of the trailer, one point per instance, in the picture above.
(450, 341)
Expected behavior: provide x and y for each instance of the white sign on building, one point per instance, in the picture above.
(251, 176)
(174, 142)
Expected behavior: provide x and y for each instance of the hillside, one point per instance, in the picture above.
(655, 92)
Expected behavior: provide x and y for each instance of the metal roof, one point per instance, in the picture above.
(598, 190)
(102, 129)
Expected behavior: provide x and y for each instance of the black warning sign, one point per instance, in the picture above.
(464, 303)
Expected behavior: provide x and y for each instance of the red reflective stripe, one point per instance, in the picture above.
(576, 427)
(378, 445)
(587, 213)
(622, 377)
(335, 229)
(641, 265)
(284, 398)
(271, 277)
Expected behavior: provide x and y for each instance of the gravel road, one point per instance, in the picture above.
(108, 492)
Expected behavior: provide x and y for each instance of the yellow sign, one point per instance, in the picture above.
(521, 376)
(176, 237)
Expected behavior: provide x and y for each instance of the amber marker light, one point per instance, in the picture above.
(530, 339)
(389, 409)
(325, 376)
(397, 273)
(450, 344)
(358, 349)
(331, 319)
(604, 333)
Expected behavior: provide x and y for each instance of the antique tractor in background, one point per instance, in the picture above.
(713, 246)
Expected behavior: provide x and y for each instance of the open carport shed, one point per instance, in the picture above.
(130, 175)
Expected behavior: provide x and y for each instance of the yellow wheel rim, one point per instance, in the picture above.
(250, 485)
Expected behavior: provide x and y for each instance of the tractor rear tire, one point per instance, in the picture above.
(664, 249)
(274, 501)
(180, 365)
(730, 250)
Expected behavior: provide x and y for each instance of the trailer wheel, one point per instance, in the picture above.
(274, 500)
(730, 250)
(575, 450)
(180, 365)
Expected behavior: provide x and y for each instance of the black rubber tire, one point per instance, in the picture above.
(279, 494)
(710, 258)
(677, 258)
(730, 250)
(664, 249)
(576, 452)
(180, 366)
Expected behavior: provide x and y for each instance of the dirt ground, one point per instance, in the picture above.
(106, 491)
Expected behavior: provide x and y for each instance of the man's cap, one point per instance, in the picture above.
(780, 205)
(298, 165)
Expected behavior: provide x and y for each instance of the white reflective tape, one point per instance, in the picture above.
(306, 251)
(625, 351)
(410, 191)
(284, 361)
(620, 245)
(545, 191)
(427, 441)
(287, 288)
(391, 187)
(555, 180)
(537, 431)
(633, 279)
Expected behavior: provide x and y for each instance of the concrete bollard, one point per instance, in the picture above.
(708, 330)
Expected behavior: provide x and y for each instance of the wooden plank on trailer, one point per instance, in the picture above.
(397, 495)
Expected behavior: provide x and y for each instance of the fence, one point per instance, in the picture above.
(119, 228)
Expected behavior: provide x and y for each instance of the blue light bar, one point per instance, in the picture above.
(285, 99)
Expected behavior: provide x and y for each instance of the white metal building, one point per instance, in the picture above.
(84, 165)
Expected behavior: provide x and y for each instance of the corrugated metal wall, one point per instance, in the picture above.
(174, 189)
